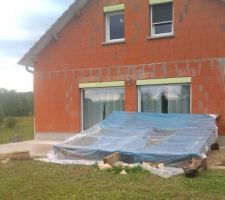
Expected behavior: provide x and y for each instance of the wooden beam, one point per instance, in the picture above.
(16, 155)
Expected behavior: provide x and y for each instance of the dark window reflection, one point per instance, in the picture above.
(163, 28)
(162, 12)
(116, 24)
(162, 18)
(164, 104)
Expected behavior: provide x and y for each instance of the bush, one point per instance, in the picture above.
(10, 122)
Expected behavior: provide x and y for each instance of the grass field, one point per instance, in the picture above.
(34, 180)
(24, 130)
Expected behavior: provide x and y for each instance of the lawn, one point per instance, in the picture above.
(31, 180)
(35, 180)
(23, 130)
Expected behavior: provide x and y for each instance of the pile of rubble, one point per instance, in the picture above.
(159, 169)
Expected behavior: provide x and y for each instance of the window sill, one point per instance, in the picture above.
(160, 36)
(114, 42)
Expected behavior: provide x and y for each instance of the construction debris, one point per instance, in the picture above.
(124, 165)
(5, 161)
(161, 166)
(2, 157)
(191, 169)
(155, 168)
(215, 146)
(112, 159)
(16, 156)
(164, 172)
(103, 167)
(123, 172)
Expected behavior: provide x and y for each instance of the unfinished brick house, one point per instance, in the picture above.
(142, 55)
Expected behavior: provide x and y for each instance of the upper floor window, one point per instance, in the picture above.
(162, 19)
(114, 23)
(114, 27)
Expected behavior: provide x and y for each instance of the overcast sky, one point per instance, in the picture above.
(23, 22)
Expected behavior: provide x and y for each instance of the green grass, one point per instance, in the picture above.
(24, 129)
(34, 180)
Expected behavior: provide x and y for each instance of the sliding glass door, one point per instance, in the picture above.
(99, 103)
(164, 98)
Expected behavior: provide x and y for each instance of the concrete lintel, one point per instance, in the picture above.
(102, 84)
(114, 8)
(154, 2)
(178, 80)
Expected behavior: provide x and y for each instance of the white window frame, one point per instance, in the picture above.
(139, 92)
(153, 35)
(107, 27)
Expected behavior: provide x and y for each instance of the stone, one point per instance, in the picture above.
(104, 167)
(123, 172)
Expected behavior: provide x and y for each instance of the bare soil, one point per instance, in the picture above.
(216, 159)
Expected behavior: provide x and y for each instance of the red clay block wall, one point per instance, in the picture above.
(196, 50)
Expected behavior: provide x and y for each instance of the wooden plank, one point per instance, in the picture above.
(16, 155)
(112, 159)
(2, 157)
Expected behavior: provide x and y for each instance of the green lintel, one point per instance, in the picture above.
(164, 81)
(113, 8)
(153, 2)
(102, 84)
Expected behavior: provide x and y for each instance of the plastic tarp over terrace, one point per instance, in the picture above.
(141, 137)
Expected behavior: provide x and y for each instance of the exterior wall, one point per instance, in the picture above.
(196, 50)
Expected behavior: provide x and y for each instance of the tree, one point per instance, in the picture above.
(1, 115)
(13, 103)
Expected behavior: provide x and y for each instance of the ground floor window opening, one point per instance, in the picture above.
(174, 98)
(98, 103)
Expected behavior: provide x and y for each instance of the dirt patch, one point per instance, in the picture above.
(216, 158)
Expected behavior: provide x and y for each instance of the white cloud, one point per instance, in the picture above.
(15, 34)
(22, 23)
(13, 76)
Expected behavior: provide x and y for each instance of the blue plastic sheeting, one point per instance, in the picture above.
(142, 137)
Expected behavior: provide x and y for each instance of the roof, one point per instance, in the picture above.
(74, 10)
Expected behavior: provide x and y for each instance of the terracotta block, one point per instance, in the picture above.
(112, 159)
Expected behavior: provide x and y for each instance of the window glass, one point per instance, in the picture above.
(163, 28)
(162, 19)
(162, 13)
(165, 99)
(99, 103)
(116, 26)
